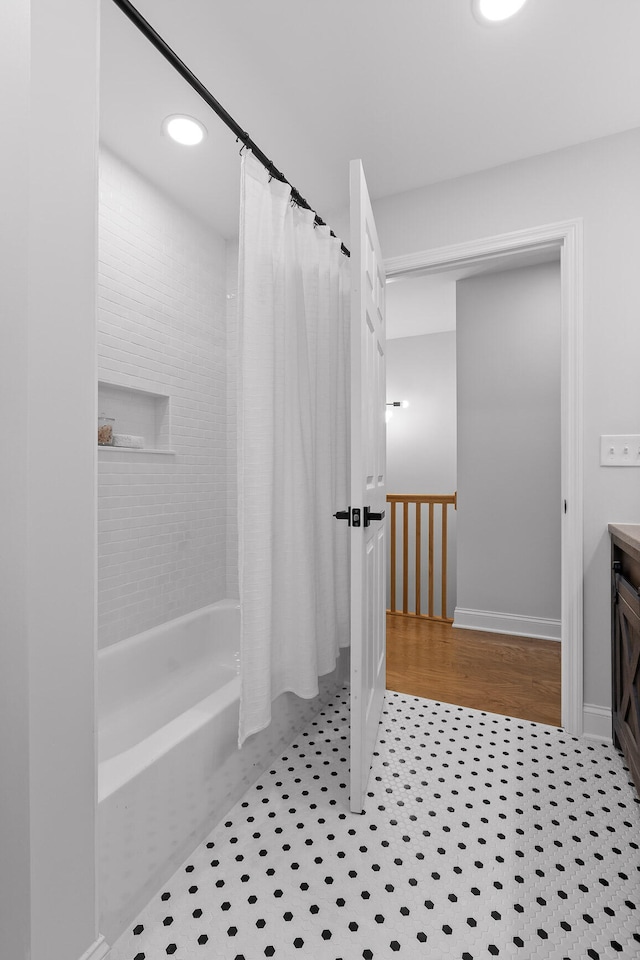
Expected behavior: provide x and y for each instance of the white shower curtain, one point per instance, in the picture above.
(293, 346)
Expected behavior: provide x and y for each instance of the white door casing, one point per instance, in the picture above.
(368, 485)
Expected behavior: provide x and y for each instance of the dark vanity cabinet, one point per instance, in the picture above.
(625, 642)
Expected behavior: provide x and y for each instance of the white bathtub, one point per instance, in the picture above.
(169, 767)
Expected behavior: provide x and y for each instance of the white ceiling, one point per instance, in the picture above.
(416, 88)
(423, 303)
(419, 305)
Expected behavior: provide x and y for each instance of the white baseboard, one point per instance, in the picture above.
(596, 722)
(493, 622)
(97, 951)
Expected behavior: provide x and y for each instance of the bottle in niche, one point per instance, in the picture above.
(105, 431)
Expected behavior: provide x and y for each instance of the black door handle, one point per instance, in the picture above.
(351, 516)
(369, 516)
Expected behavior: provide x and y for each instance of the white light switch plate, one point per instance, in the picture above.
(620, 450)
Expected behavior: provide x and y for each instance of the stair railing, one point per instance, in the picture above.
(412, 528)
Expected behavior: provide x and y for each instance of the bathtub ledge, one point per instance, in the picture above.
(97, 951)
(118, 770)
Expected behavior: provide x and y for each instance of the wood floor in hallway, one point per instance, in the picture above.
(513, 676)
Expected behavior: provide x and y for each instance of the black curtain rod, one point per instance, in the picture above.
(171, 56)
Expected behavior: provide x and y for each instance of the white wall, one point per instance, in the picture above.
(161, 328)
(599, 182)
(15, 879)
(509, 495)
(421, 441)
(48, 85)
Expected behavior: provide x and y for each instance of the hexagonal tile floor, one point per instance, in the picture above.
(483, 836)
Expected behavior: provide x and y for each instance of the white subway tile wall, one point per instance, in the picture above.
(233, 589)
(162, 519)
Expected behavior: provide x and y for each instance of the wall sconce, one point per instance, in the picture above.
(395, 403)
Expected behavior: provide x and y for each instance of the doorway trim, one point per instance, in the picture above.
(568, 236)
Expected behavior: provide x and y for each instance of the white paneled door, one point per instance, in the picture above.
(368, 485)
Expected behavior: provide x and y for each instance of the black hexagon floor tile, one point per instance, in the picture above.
(483, 836)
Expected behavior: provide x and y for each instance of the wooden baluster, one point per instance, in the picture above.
(430, 559)
(393, 556)
(443, 610)
(405, 557)
(418, 552)
(419, 499)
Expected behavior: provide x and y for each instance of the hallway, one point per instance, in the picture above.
(517, 677)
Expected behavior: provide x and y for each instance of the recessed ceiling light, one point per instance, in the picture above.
(183, 129)
(494, 11)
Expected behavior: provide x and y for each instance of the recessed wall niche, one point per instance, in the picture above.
(137, 413)
(162, 517)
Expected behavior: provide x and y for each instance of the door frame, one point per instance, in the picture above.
(568, 236)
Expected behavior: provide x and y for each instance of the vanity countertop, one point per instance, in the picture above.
(627, 534)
